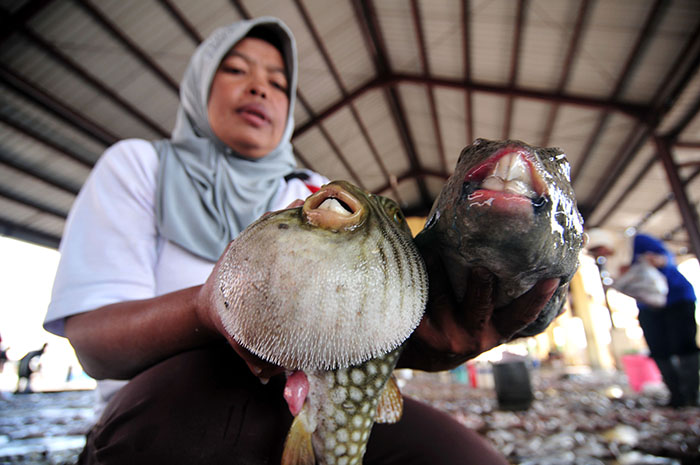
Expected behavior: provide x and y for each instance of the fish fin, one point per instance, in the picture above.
(390, 406)
(298, 449)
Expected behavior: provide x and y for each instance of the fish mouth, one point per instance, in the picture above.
(333, 208)
(508, 181)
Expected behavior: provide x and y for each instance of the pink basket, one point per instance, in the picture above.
(640, 370)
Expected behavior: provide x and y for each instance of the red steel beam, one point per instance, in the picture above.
(690, 220)
(367, 18)
(674, 83)
(351, 106)
(687, 144)
(466, 47)
(635, 111)
(643, 39)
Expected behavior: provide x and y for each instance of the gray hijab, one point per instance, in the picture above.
(206, 192)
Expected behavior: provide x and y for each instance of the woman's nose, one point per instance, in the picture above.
(257, 89)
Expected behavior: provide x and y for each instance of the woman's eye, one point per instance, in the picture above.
(280, 86)
(232, 69)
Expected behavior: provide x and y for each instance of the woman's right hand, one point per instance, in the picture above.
(206, 309)
(207, 313)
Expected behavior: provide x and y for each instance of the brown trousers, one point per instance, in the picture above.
(205, 407)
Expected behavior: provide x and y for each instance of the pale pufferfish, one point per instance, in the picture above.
(330, 291)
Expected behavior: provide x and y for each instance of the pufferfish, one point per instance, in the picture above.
(330, 291)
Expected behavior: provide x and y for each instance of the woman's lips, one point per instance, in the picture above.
(255, 114)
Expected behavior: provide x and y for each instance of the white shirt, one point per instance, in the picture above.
(111, 249)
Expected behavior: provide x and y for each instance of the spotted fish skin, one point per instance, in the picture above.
(343, 405)
(348, 408)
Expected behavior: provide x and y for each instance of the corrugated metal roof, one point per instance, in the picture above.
(389, 93)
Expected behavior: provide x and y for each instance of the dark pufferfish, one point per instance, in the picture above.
(509, 208)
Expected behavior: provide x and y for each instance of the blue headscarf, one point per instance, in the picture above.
(679, 288)
(207, 193)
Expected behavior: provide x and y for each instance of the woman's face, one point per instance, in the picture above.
(248, 101)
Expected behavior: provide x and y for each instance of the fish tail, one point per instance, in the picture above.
(298, 449)
(390, 408)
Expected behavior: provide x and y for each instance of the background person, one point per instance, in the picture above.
(670, 331)
(669, 328)
(26, 367)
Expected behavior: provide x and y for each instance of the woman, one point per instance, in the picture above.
(145, 233)
(670, 331)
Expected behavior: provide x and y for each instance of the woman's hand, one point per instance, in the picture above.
(455, 330)
(208, 314)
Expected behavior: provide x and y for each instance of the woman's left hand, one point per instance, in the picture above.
(455, 330)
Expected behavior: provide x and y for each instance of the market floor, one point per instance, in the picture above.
(575, 418)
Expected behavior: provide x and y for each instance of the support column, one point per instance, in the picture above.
(690, 220)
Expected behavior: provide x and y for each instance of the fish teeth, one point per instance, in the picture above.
(511, 174)
(334, 206)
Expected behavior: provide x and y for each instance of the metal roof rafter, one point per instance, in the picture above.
(9, 228)
(14, 197)
(58, 109)
(88, 77)
(41, 137)
(339, 82)
(643, 39)
(11, 160)
(681, 74)
(514, 64)
(130, 45)
(388, 80)
(367, 18)
(11, 22)
(574, 45)
(466, 46)
(422, 52)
